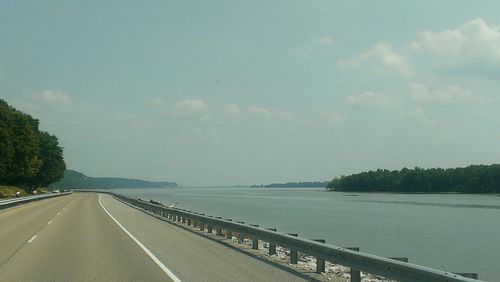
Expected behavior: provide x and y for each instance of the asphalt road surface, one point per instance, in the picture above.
(91, 237)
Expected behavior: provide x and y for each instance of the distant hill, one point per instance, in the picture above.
(76, 180)
(314, 184)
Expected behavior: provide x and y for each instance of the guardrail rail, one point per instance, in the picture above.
(4, 204)
(391, 268)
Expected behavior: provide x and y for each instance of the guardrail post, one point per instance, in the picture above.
(229, 233)
(183, 219)
(272, 247)
(294, 255)
(255, 240)
(355, 274)
(209, 226)
(218, 228)
(320, 263)
(202, 224)
(400, 259)
(194, 223)
(241, 236)
(468, 274)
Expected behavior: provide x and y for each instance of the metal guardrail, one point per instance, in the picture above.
(392, 268)
(4, 204)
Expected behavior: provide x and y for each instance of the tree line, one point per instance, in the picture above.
(29, 158)
(471, 179)
(306, 184)
(77, 180)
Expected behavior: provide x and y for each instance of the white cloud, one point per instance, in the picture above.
(266, 113)
(475, 42)
(304, 52)
(380, 60)
(332, 117)
(191, 105)
(45, 100)
(368, 98)
(232, 110)
(473, 47)
(157, 102)
(447, 94)
(418, 114)
(315, 43)
(52, 97)
(185, 110)
(325, 40)
(259, 111)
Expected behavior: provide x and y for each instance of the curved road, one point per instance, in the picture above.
(91, 237)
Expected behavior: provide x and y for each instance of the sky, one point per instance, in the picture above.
(252, 92)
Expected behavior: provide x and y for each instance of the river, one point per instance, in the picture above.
(452, 232)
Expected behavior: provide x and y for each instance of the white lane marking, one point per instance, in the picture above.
(150, 254)
(32, 239)
(49, 222)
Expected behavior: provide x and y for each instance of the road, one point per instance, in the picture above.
(91, 237)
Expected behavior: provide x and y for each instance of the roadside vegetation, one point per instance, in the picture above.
(29, 158)
(10, 191)
(471, 179)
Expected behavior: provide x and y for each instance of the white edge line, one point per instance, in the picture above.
(150, 254)
(32, 239)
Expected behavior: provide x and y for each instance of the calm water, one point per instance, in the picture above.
(450, 232)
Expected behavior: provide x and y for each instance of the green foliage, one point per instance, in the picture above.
(53, 165)
(28, 157)
(471, 179)
(310, 184)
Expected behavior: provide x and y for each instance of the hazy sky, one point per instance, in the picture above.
(249, 92)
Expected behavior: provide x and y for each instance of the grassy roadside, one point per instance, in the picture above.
(10, 191)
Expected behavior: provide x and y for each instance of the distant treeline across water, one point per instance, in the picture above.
(471, 179)
(314, 184)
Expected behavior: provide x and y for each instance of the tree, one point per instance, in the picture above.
(28, 157)
(53, 165)
(26, 160)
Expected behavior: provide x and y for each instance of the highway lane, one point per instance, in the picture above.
(18, 224)
(73, 238)
(189, 256)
